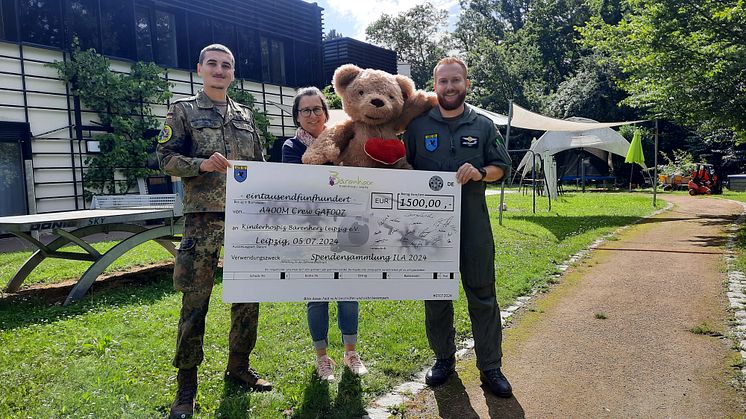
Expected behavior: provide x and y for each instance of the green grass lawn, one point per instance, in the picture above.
(740, 263)
(110, 354)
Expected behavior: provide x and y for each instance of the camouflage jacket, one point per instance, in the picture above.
(193, 131)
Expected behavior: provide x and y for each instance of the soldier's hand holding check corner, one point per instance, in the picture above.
(216, 163)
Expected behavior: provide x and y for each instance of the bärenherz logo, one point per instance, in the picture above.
(336, 179)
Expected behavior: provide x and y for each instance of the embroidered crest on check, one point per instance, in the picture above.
(240, 173)
(469, 141)
(431, 142)
(165, 134)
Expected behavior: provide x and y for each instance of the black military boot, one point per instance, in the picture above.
(496, 382)
(183, 405)
(440, 371)
(239, 373)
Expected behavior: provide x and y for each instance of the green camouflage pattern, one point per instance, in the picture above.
(193, 131)
(194, 275)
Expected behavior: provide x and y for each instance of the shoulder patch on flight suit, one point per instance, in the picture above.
(431, 142)
(165, 134)
(469, 141)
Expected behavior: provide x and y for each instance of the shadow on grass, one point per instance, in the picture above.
(34, 308)
(235, 402)
(317, 401)
(563, 227)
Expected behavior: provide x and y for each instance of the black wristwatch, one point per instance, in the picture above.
(483, 172)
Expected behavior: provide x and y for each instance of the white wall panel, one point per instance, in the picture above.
(45, 85)
(43, 120)
(50, 146)
(46, 100)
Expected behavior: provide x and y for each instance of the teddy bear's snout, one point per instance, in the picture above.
(378, 103)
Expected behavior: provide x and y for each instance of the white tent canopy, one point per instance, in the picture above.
(553, 142)
(523, 118)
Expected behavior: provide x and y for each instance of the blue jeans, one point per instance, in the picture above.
(318, 322)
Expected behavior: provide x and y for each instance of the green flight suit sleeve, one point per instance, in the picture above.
(495, 153)
(174, 145)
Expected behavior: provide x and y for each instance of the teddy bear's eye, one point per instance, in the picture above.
(391, 97)
(361, 92)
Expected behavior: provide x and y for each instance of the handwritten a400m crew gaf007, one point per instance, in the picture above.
(319, 233)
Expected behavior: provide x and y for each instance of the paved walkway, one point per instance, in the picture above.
(614, 338)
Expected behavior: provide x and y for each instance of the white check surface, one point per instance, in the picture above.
(320, 233)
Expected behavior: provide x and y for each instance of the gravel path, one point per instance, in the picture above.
(614, 338)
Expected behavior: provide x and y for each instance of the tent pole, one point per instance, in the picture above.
(655, 165)
(507, 142)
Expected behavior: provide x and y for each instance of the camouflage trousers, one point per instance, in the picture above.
(194, 276)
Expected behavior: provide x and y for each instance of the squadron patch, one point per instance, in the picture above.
(165, 134)
(469, 141)
(431, 142)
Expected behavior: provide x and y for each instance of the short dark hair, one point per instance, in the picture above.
(215, 47)
(308, 91)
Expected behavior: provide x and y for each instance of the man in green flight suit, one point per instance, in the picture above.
(200, 134)
(454, 138)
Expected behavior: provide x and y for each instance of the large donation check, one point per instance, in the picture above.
(318, 233)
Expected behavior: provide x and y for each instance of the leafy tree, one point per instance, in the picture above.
(332, 34)
(683, 60)
(490, 19)
(417, 37)
(122, 103)
(591, 93)
(262, 120)
(332, 99)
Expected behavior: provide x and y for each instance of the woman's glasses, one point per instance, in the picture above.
(318, 110)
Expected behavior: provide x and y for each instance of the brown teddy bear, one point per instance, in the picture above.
(380, 106)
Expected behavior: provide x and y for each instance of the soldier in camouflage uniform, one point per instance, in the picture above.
(199, 136)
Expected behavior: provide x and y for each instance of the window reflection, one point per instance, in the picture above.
(165, 29)
(41, 22)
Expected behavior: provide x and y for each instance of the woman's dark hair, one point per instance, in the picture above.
(308, 91)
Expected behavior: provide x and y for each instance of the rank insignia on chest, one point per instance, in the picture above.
(165, 134)
(469, 141)
(431, 142)
(240, 173)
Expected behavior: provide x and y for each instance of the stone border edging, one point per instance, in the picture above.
(381, 407)
(736, 291)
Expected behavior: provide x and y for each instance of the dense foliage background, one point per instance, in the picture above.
(680, 61)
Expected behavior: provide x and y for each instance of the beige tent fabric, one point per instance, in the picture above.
(523, 118)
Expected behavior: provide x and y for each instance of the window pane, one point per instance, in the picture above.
(265, 60)
(84, 23)
(225, 33)
(8, 29)
(278, 62)
(41, 22)
(12, 184)
(165, 30)
(200, 35)
(249, 60)
(142, 32)
(116, 28)
(303, 64)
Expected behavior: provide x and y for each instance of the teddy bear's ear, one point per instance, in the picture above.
(344, 75)
(406, 84)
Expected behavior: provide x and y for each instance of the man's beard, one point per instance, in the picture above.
(449, 106)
